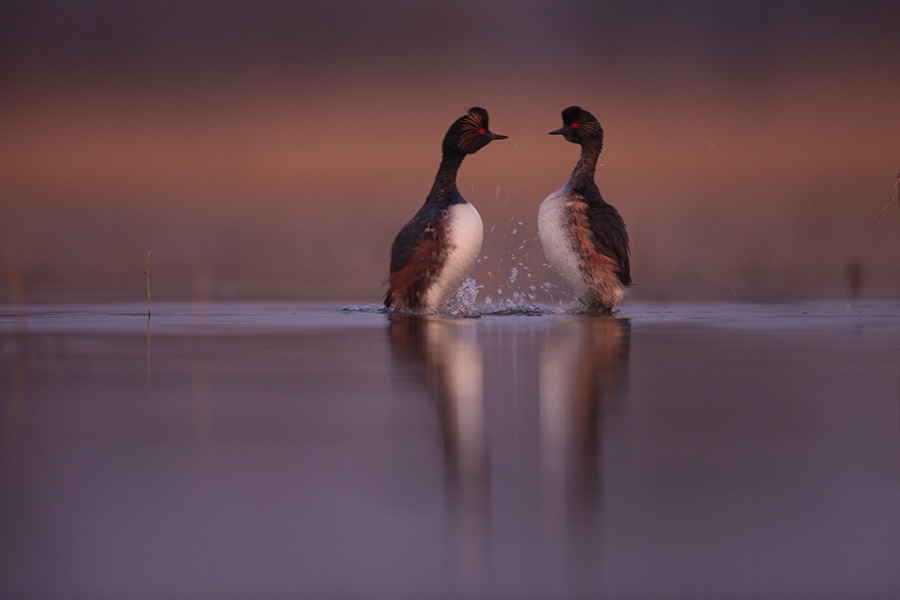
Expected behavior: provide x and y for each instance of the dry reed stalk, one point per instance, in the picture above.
(896, 187)
(147, 275)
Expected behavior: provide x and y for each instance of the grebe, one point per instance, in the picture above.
(434, 253)
(583, 237)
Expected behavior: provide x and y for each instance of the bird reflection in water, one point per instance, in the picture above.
(445, 355)
(580, 366)
(583, 368)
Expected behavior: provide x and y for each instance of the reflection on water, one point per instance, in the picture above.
(580, 364)
(719, 451)
(445, 354)
(449, 360)
(15, 415)
(582, 369)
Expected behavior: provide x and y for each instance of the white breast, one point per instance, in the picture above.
(558, 244)
(465, 233)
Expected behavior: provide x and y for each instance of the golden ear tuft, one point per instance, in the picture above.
(474, 120)
(591, 128)
(474, 125)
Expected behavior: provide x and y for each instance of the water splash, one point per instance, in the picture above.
(462, 303)
(512, 271)
(519, 305)
(368, 308)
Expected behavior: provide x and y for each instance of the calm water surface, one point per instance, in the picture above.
(301, 451)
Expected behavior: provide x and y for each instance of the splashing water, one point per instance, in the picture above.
(519, 305)
(462, 303)
(368, 308)
(517, 290)
(512, 274)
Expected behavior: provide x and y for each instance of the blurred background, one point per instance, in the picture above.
(272, 149)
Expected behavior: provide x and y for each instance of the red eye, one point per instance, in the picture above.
(574, 125)
(481, 131)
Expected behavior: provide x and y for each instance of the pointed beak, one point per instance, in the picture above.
(497, 136)
(559, 131)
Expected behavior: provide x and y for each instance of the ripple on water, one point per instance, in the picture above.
(464, 304)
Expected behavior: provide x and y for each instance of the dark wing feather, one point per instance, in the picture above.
(610, 236)
(411, 235)
(416, 257)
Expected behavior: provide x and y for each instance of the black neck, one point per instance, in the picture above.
(583, 175)
(445, 180)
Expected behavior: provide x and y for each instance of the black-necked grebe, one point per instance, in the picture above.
(583, 237)
(434, 253)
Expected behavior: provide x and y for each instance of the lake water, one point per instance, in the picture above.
(304, 451)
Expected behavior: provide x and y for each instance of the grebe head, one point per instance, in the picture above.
(470, 133)
(580, 127)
